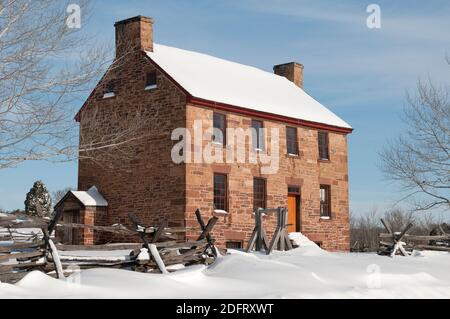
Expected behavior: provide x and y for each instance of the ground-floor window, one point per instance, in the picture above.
(325, 201)
(221, 192)
(259, 193)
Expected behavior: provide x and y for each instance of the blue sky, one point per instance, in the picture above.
(361, 74)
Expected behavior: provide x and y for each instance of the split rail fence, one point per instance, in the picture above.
(24, 251)
(393, 243)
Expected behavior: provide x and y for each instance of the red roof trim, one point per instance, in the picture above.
(236, 109)
(268, 116)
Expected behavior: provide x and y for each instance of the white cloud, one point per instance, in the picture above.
(397, 24)
(357, 63)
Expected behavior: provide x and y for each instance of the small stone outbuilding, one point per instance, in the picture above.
(80, 207)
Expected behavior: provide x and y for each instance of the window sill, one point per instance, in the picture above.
(325, 218)
(263, 214)
(108, 95)
(292, 155)
(323, 160)
(219, 212)
(218, 144)
(150, 87)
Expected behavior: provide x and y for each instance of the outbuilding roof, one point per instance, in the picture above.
(91, 198)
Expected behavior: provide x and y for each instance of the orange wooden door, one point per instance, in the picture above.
(292, 213)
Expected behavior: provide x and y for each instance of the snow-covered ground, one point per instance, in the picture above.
(306, 272)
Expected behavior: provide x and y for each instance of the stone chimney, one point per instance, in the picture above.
(292, 71)
(134, 34)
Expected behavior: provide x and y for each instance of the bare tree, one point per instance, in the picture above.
(46, 69)
(119, 142)
(59, 194)
(420, 159)
(398, 219)
(364, 231)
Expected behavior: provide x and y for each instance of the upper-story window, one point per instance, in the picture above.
(291, 140)
(151, 81)
(259, 193)
(220, 128)
(258, 135)
(110, 90)
(323, 139)
(325, 201)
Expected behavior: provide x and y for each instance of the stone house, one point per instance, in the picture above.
(171, 89)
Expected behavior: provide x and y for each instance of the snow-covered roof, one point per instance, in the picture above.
(219, 80)
(91, 198)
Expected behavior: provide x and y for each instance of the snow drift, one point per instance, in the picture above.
(305, 272)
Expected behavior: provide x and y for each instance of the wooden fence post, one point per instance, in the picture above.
(258, 239)
(206, 229)
(396, 238)
(54, 252)
(281, 237)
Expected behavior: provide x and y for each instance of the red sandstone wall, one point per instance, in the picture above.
(148, 183)
(145, 180)
(304, 171)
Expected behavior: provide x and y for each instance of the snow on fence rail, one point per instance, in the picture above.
(22, 252)
(393, 243)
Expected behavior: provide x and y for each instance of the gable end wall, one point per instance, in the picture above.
(145, 180)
